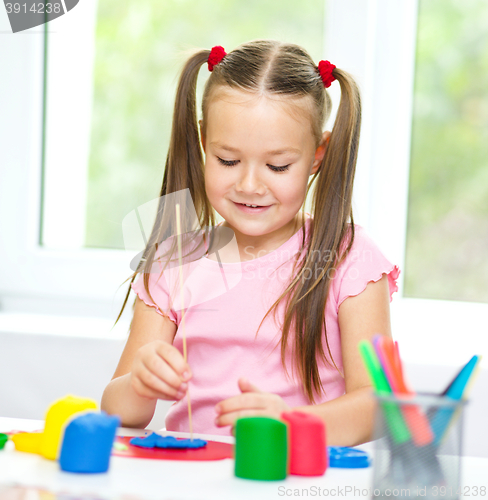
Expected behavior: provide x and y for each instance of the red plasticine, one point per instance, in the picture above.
(308, 450)
(213, 451)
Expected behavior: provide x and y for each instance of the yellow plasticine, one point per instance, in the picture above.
(57, 416)
(30, 442)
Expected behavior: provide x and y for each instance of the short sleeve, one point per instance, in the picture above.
(364, 263)
(159, 292)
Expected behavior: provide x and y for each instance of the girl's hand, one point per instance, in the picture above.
(252, 401)
(159, 371)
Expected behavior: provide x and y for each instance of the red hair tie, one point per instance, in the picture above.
(325, 70)
(216, 55)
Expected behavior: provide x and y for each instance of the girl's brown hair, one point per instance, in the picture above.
(279, 70)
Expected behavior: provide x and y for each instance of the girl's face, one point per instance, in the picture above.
(258, 152)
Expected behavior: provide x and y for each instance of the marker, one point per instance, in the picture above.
(456, 391)
(388, 365)
(415, 418)
(406, 461)
(396, 424)
(458, 386)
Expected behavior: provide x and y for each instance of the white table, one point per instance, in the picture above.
(137, 479)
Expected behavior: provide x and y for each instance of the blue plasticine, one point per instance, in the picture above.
(145, 442)
(87, 443)
(156, 441)
(171, 442)
(347, 458)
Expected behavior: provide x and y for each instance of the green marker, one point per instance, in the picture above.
(394, 418)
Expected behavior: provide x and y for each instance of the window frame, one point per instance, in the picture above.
(36, 279)
(70, 282)
(423, 327)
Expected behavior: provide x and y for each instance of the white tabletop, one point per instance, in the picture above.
(134, 479)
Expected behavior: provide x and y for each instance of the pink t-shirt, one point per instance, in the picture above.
(221, 331)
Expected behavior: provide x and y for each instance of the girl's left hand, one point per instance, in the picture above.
(251, 402)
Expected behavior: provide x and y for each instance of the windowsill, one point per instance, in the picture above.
(450, 332)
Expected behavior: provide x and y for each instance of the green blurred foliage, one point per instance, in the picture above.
(140, 49)
(447, 239)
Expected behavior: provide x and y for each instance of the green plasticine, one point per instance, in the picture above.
(3, 440)
(120, 446)
(261, 449)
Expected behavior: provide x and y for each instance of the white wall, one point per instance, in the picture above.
(36, 369)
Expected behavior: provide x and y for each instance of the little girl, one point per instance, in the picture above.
(310, 287)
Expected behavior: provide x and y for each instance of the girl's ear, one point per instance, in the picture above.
(320, 152)
(201, 135)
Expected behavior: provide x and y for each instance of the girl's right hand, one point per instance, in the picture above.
(159, 371)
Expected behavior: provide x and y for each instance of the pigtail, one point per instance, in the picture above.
(332, 201)
(339, 164)
(333, 229)
(183, 169)
(331, 237)
(184, 163)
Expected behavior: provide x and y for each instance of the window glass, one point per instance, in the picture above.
(447, 236)
(138, 58)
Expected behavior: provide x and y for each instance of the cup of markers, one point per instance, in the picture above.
(404, 467)
(418, 437)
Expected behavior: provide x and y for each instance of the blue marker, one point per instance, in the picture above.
(442, 418)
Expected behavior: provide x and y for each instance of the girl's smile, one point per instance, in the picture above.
(259, 156)
(252, 209)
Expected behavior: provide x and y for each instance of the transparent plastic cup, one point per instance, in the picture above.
(418, 447)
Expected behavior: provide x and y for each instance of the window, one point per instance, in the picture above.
(124, 65)
(447, 235)
(105, 117)
(110, 86)
(382, 55)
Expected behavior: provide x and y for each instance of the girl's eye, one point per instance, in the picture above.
(227, 163)
(279, 169)
(231, 163)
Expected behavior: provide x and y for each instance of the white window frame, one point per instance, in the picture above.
(85, 282)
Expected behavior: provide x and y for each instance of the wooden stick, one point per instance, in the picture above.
(178, 230)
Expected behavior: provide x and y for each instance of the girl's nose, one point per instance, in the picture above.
(249, 181)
